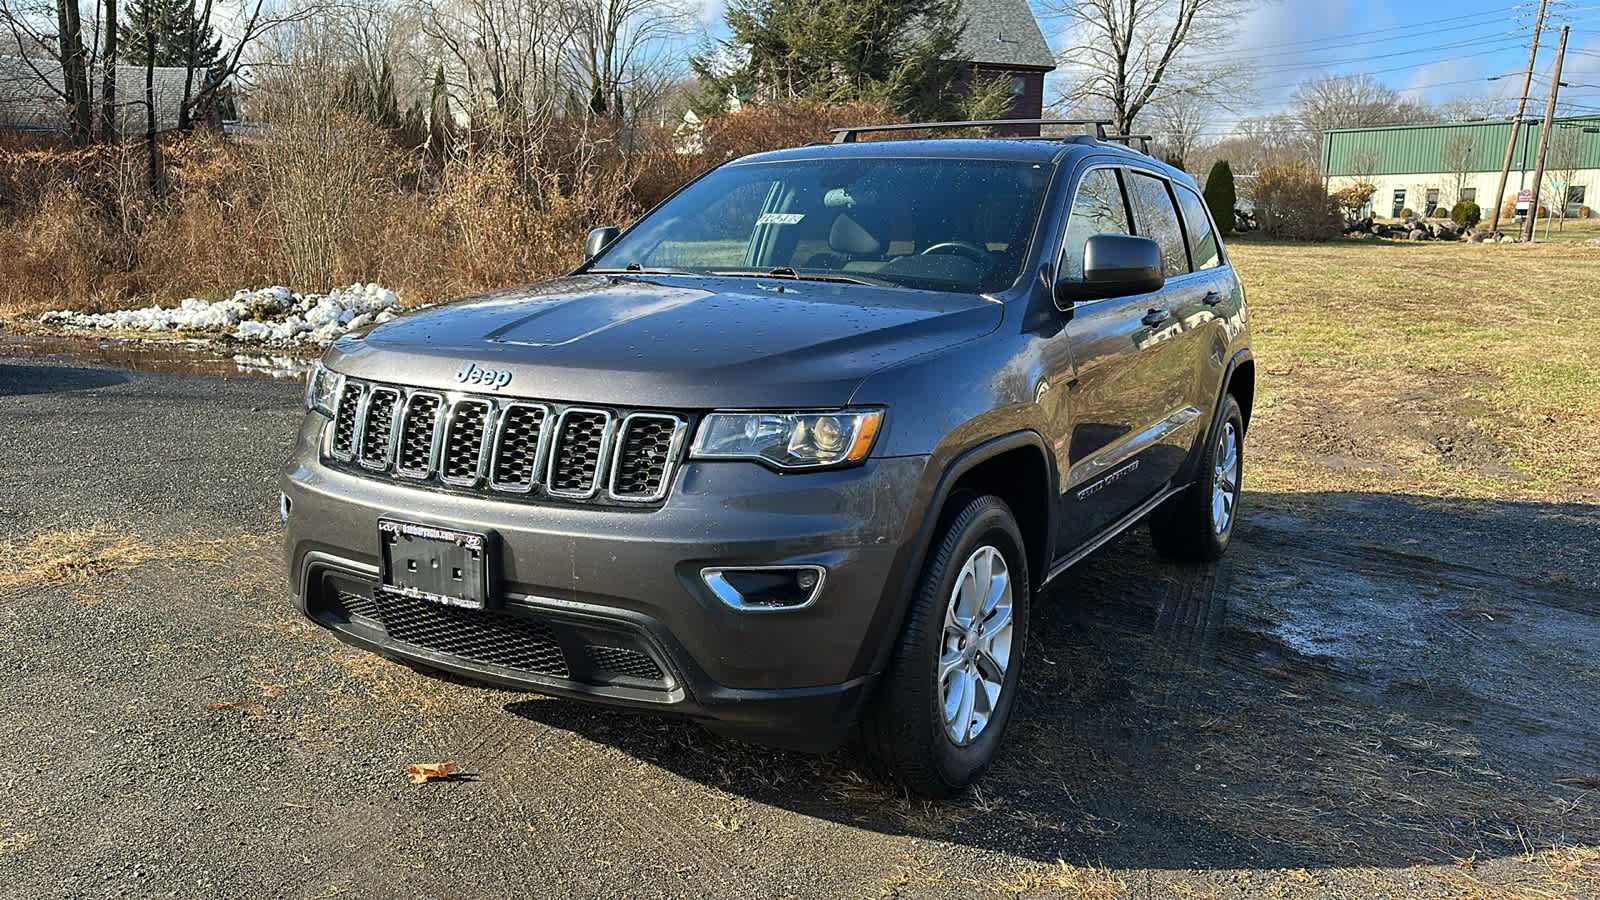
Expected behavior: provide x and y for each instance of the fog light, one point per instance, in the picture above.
(765, 588)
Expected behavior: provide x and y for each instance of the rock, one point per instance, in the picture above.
(1417, 234)
(1478, 237)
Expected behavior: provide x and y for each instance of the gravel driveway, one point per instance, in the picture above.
(1374, 695)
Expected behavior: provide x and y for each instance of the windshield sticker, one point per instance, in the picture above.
(780, 219)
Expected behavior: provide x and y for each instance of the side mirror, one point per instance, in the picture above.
(1115, 265)
(598, 240)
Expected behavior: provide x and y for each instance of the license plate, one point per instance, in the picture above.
(440, 565)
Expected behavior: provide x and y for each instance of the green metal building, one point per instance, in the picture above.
(1428, 168)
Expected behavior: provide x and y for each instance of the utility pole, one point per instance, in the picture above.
(1544, 139)
(1516, 120)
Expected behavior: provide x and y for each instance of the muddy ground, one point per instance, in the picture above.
(1373, 695)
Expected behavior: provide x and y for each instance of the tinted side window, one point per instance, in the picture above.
(1202, 240)
(1098, 209)
(1156, 219)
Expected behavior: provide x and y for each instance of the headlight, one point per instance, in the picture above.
(797, 440)
(322, 389)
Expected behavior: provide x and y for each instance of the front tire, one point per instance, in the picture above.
(943, 706)
(1198, 523)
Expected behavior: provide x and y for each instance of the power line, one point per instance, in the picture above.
(1476, 46)
(1340, 43)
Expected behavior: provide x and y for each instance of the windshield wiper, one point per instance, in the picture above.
(790, 272)
(636, 269)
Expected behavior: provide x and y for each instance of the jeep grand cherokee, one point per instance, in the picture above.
(794, 454)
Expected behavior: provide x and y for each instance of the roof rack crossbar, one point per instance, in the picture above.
(1094, 127)
(1128, 139)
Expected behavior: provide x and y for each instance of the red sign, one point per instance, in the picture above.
(1525, 197)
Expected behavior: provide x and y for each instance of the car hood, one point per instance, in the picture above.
(680, 342)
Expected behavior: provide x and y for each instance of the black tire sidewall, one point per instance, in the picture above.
(992, 525)
(1182, 527)
(1218, 543)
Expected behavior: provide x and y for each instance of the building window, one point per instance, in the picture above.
(1575, 199)
(1019, 86)
(1469, 195)
(1399, 203)
(1431, 199)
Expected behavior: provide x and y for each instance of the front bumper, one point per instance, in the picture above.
(607, 604)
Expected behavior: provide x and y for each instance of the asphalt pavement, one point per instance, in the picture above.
(1369, 688)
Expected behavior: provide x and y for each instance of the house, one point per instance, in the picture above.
(1429, 168)
(30, 96)
(1003, 40)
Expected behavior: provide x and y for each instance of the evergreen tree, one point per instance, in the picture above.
(175, 27)
(899, 52)
(1220, 195)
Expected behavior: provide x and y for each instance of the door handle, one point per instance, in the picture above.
(1156, 316)
(1212, 299)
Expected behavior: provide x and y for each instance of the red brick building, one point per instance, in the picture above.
(1003, 40)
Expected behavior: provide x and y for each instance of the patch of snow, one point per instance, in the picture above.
(273, 316)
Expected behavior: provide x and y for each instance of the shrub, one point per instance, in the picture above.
(1353, 199)
(1585, 212)
(1291, 204)
(1406, 213)
(1508, 208)
(1221, 195)
(1466, 214)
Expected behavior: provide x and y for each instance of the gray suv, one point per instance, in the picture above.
(794, 454)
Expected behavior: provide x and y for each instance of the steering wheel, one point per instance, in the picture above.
(961, 248)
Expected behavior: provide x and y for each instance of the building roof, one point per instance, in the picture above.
(29, 102)
(1004, 33)
(1422, 149)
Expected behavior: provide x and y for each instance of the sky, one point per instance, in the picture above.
(1430, 50)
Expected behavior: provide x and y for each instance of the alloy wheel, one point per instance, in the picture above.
(977, 645)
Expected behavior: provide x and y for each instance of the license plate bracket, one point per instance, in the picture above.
(433, 563)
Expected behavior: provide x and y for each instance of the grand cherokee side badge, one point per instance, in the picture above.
(494, 379)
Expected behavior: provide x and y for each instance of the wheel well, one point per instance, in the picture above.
(1242, 385)
(1020, 477)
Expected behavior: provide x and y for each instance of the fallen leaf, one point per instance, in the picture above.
(422, 773)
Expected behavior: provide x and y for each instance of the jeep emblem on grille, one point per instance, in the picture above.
(494, 379)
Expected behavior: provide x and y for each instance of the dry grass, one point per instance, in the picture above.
(1563, 873)
(82, 557)
(12, 842)
(1063, 880)
(321, 201)
(1433, 369)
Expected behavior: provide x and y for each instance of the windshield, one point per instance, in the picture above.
(936, 224)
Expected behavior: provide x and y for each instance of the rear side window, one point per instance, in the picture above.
(1157, 219)
(1202, 239)
(1097, 209)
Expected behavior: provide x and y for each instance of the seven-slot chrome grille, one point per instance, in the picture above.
(505, 446)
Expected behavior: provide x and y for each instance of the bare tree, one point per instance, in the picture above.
(1363, 163)
(504, 58)
(43, 29)
(1457, 160)
(1350, 101)
(1562, 162)
(1127, 54)
(619, 46)
(108, 74)
(1178, 123)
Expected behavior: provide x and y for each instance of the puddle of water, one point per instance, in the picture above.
(167, 357)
